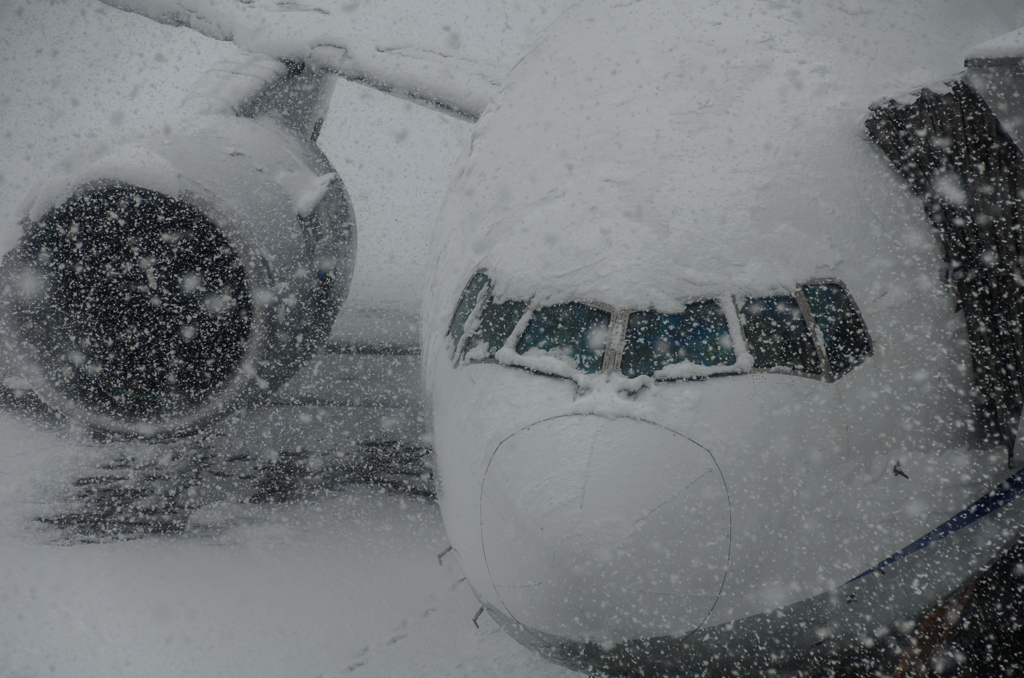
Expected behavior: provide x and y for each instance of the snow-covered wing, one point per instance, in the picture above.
(450, 54)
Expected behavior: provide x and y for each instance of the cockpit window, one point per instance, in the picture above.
(778, 336)
(846, 339)
(699, 335)
(817, 331)
(496, 324)
(467, 304)
(575, 333)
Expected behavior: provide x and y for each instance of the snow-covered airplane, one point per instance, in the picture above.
(711, 391)
(703, 402)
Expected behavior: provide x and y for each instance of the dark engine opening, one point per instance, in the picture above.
(141, 307)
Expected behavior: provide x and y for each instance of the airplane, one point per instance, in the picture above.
(713, 391)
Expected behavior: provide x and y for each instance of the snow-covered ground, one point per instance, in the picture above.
(256, 549)
(327, 578)
(347, 583)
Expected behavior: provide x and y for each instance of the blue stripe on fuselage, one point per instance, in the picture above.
(1002, 494)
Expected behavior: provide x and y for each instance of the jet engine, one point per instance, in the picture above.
(160, 285)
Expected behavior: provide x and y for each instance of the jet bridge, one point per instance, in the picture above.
(959, 146)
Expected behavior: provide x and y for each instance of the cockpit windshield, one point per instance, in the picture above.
(496, 324)
(699, 335)
(467, 304)
(815, 332)
(574, 333)
(846, 339)
(778, 336)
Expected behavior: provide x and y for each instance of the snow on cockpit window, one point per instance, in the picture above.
(467, 304)
(816, 332)
(573, 333)
(778, 336)
(697, 336)
(496, 324)
(846, 339)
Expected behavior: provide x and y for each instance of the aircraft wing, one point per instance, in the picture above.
(446, 54)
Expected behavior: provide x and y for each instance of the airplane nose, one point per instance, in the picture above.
(604, 530)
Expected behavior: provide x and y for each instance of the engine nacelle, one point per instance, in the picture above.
(159, 286)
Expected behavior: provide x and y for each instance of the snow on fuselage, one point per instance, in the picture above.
(649, 156)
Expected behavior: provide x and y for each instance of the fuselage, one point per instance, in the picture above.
(663, 159)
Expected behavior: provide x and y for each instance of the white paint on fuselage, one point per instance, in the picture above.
(654, 153)
(808, 513)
